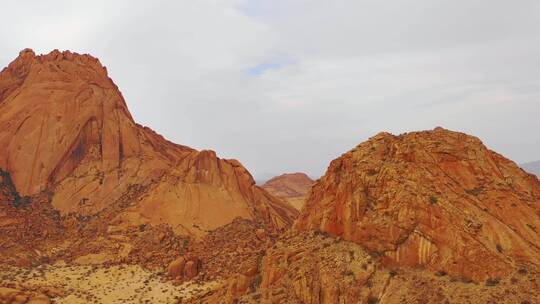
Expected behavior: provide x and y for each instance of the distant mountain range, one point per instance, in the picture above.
(292, 187)
(532, 167)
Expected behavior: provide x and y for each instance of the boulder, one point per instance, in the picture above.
(176, 268)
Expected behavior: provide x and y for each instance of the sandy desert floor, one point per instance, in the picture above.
(101, 284)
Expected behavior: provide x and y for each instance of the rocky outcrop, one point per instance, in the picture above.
(314, 268)
(291, 187)
(437, 200)
(184, 268)
(65, 129)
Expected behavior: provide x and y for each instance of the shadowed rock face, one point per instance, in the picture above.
(65, 129)
(292, 187)
(435, 199)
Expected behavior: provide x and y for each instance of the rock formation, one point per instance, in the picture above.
(315, 268)
(436, 200)
(291, 187)
(65, 129)
(93, 208)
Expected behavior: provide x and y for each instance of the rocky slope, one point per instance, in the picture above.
(424, 217)
(291, 187)
(437, 200)
(66, 131)
(315, 268)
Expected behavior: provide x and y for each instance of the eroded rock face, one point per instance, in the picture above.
(437, 199)
(291, 187)
(313, 268)
(65, 129)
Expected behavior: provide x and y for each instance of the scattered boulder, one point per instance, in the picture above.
(176, 268)
(191, 269)
(261, 234)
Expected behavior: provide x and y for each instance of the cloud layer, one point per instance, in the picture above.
(289, 85)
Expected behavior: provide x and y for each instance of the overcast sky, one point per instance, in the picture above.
(289, 85)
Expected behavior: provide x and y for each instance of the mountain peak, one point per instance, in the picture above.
(436, 199)
(67, 130)
(291, 187)
(57, 55)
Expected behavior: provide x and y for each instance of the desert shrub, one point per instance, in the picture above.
(440, 273)
(492, 281)
(256, 282)
(474, 191)
(466, 280)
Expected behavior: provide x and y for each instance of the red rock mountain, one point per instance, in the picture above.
(423, 217)
(437, 200)
(291, 187)
(65, 130)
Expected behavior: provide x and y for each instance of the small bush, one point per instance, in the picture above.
(347, 273)
(441, 273)
(256, 282)
(492, 281)
(372, 300)
(432, 200)
(466, 280)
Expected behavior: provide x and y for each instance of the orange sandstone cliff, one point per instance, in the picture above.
(65, 130)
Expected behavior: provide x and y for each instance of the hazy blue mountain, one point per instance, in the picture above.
(532, 167)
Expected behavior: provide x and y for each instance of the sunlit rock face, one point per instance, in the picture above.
(436, 199)
(66, 129)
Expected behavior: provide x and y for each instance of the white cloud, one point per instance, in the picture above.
(290, 85)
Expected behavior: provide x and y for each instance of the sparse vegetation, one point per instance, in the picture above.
(476, 191)
(432, 199)
(492, 281)
(372, 300)
(440, 273)
(256, 282)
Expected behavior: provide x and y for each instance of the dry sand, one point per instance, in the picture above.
(103, 284)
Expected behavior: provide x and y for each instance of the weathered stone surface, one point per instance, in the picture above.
(314, 268)
(192, 268)
(176, 268)
(65, 129)
(17, 296)
(435, 199)
(261, 234)
(291, 187)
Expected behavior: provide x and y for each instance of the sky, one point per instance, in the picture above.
(289, 85)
